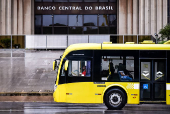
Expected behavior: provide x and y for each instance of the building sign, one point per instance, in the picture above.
(75, 8)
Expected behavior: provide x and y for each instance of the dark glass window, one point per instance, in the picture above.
(47, 0)
(60, 30)
(47, 20)
(103, 20)
(90, 30)
(90, 20)
(60, 20)
(113, 30)
(75, 20)
(103, 0)
(37, 20)
(103, 30)
(90, 0)
(47, 30)
(60, 0)
(37, 0)
(112, 20)
(37, 30)
(75, 0)
(112, 0)
(75, 30)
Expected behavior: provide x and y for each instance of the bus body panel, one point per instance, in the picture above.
(168, 93)
(90, 92)
(59, 94)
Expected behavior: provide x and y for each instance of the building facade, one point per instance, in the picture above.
(143, 17)
(65, 22)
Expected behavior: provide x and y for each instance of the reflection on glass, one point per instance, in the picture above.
(47, 30)
(130, 39)
(112, 20)
(5, 42)
(103, 20)
(75, 30)
(159, 71)
(103, 30)
(142, 38)
(47, 0)
(103, 0)
(116, 39)
(90, 0)
(112, 0)
(90, 20)
(60, 20)
(75, 20)
(37, 20)
(47, 20)
(113, 30)
(18, 42)
(38, 0)
(60, 0)
(37, 30)
(75, 0)
(60, 30)
(90, 30)
(145, 70)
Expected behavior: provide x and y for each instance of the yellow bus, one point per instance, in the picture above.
(114, 74)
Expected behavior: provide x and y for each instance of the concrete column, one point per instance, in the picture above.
(159, 15)
(15, 17)
(122, 17)
(20, 17)
(147, 17)
(3, 17)
(8, 17)
(135, 17)
(142, 17)
(27, 16)
(32, 17)
(153, 17)
(165, 7)
(130, 17)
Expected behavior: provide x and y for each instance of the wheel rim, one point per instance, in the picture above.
(115, 99)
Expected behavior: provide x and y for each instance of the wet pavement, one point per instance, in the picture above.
(27, 70)
(62, 108)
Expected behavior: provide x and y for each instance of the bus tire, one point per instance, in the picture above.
(115, 99)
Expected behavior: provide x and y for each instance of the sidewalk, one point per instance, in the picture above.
(27, 71)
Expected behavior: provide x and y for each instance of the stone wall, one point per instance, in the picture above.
(16, 17)
(144, 17)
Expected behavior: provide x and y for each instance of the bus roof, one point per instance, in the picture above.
(100, 46)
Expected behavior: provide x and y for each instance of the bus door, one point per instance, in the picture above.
(153, 79)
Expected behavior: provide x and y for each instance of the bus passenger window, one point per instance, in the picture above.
(79, 68)
(117, 68)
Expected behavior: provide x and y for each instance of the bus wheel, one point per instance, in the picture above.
(115, 99)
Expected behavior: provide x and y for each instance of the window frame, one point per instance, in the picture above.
(72, 79)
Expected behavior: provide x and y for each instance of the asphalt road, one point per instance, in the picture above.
(58, 108)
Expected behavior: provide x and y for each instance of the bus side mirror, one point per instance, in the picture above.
(66, 65)
(54, 65)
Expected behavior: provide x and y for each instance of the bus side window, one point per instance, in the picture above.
(79, 68)
(117, 68)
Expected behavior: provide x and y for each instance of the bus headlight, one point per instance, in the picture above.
(55, 87)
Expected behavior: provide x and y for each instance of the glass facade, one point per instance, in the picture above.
(67, 24)
(75, 0)
(75, 24)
